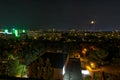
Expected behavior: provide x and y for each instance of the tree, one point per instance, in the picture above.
(47, 70)
(98, 56)
(40, 69)
(40, 64)
(87, 78)
(5, 54)
(16, 69)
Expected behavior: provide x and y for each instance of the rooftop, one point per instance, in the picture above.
(57, 59)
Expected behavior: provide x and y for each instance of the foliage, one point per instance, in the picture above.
(98, 56)
(5, 54)
(87, 78)
(15, 68)
(40, 69)
(32, 51)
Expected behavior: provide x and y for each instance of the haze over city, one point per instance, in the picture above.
(61, 14)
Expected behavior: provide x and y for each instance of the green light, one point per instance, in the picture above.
(6, 31)
(16, 33)
(13, 31)
(23, 31)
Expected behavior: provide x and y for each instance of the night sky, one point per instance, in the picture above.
(61, 14)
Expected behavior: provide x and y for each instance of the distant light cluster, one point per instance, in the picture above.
(13, 31)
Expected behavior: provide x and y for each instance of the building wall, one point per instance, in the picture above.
(57, 75)
(58, 72)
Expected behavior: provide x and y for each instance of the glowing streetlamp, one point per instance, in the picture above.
(92, 65)
(88, 68)
(84, 51)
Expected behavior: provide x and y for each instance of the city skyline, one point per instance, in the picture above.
(64, 14)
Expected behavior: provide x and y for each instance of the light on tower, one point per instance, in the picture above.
(6, 31)
(23, 31)
(16, 33)
(92, 22)
(13, 31)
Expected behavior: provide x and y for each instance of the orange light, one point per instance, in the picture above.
(88, 68)
(84, 51)
(92, 65)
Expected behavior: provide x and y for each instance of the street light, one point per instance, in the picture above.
(92, 65)
(88, 68)
(84, 51)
